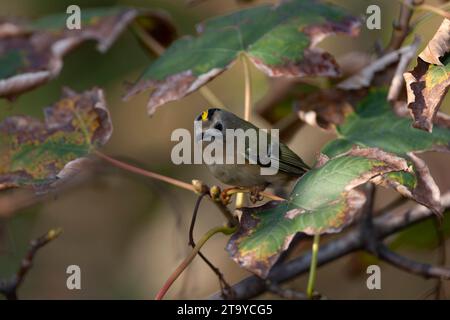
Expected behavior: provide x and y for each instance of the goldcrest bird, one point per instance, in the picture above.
(290, 165)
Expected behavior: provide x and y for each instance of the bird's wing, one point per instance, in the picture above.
(289, 162)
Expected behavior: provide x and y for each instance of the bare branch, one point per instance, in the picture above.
(225, 288)
(285, 293)
(397, 83)
(411, 266)
(401, 27)
(9, 287)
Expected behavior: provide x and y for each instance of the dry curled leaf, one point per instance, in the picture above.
(428, 83)
(39, 153)
(438, 46)
(32, 53)
(326, 109)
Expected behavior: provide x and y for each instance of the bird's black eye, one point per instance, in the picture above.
(218, 126)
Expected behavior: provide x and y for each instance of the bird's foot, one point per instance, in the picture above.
(255, 193)
(226, 194)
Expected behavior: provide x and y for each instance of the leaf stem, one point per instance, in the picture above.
(248, 87)
(427, 7)
(154, 47)
(179, 270)
(428, 15)
(143, 172)
(313, 267)
(181, 184)
(209, 96)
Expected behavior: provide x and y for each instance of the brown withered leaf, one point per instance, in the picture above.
(39, 153)
(32, 53)
(428, 83)
(438, 46)
(326, 109)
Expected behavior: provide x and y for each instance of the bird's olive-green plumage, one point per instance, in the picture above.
(290, 165)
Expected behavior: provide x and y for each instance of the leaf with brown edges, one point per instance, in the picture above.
(32, 53)
(39, 153)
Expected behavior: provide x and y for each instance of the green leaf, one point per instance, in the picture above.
(280, 40)
(32, 53)
(374, 124)
(36, 153)
(324, 200)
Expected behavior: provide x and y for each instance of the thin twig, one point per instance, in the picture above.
(128, 167)
(440, 288)
(411, 266)
(179, 270)
(224, 286)
(143, 172)
(426, 16)
(401, 27)
(425, 7)
(397, 82)
(9, 287)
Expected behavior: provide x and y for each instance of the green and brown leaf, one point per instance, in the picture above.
(38, 153)
(32, 53)
(428, 83)
(280, 40)
(324, 200)
(374, 124)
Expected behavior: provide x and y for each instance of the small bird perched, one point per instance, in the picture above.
(290, 165)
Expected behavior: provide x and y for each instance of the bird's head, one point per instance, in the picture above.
(214, 122)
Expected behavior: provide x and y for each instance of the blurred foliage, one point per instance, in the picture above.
(423, 235)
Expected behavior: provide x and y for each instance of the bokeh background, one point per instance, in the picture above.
(128, 233)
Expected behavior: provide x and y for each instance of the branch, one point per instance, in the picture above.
(411, 266)
(9, 287)
(401, 27)
(397, 82)
(224, 286)
(285, 293)
(386, 224)
(179, 270)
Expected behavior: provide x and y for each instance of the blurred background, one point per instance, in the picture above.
(128, 233)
